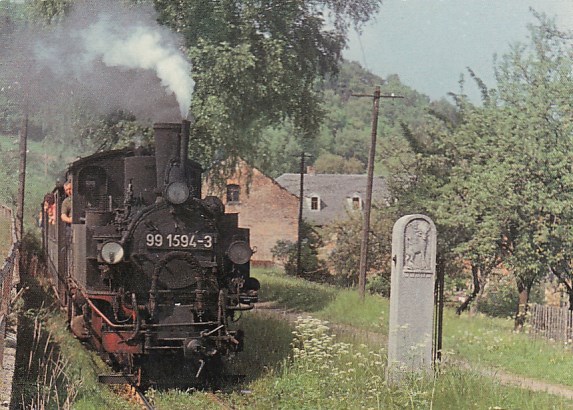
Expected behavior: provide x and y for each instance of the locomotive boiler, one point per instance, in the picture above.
(152, 275)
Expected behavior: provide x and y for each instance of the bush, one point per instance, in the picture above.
(286, 252)
(345, 258)
(312, 268)
(379, 284)
(500, 298)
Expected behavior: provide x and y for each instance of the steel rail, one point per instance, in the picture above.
(146, 403)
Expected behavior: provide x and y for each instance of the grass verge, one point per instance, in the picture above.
(300, 365)
(54, 371)
(479, 340)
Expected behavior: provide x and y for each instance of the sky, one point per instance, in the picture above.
(429, 43)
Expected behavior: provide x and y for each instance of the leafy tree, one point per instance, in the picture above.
(11, 15)
(49, 11)
(535, 82)
(344, 259)
(117, 129)
(10, 117)
(255, 63)
(521, 165)
(335, 164)
(9, 168)
(502, 188)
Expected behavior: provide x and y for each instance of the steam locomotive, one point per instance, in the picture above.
(152, 275)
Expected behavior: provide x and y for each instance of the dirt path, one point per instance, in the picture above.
(523, 382)
(501, 376)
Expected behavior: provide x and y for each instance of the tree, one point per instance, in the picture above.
(536, 84)
(434, 177)
(506, 187)
(328, 163)
(345, 257)
(528, 144)
(255, 63)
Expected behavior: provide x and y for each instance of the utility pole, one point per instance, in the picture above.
(370, 179)
(22, 177)
(300, 208)
(24, 86)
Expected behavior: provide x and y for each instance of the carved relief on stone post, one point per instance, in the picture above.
(417, 256)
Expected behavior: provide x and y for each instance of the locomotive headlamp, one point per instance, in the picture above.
(177, 193)
(112, 252)
(239, 252)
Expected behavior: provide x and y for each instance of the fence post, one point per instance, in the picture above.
(552, 322)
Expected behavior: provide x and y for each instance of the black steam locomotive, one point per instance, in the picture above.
(151, 274)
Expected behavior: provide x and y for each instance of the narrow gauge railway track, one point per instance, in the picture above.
(140, 398)
(133, 394)
(143, 400)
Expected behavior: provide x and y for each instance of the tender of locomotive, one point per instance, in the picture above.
(150, 272)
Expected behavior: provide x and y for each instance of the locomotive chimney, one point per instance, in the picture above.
(171, 149)
(184, 151)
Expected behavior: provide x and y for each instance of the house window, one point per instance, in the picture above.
(233, 193)
(314, 203)
(356, 203)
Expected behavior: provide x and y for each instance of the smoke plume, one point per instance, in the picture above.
(139, 47)
(110, 56)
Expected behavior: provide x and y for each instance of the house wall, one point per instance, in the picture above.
(267, 209)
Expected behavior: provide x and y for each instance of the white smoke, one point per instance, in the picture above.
(140, 47)
(119, 57)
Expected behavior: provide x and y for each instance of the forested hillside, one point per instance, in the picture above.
(343, 141)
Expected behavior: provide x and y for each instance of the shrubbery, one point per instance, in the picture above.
(500, 298)
(379, 284)
(312, 268)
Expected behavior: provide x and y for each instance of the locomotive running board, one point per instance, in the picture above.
(117, 378)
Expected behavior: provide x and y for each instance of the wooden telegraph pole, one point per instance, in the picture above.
(22, 177)
(300, 205)
(300, 208)
(368, 200)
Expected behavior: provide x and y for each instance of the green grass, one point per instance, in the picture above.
(480, 340)
(337, 373)
(330, 303)
(305, 366)
(323, 372)
(5, 236)
(492, 342)
(54, 367)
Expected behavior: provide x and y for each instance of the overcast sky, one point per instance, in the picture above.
(429, 43)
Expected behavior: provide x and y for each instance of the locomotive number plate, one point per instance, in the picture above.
(180, 241)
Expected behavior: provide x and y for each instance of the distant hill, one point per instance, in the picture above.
(344, 140)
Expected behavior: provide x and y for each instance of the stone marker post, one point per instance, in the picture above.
(411, 296)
